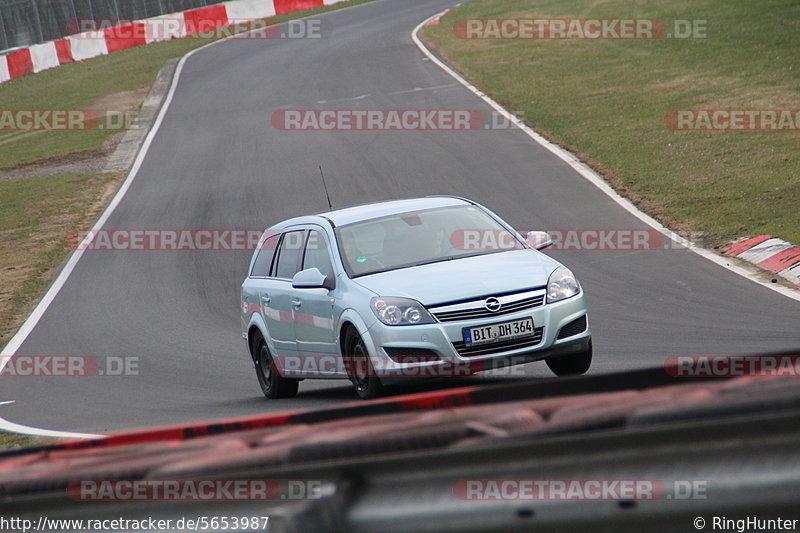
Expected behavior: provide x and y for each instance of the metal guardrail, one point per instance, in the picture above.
(27, 22)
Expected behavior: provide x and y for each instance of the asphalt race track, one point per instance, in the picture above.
(218, 163)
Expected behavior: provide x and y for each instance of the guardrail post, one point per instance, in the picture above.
(91, 14)
(74, 15)
(3, 38)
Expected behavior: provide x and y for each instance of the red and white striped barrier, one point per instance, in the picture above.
(765, 251)
(39, 57)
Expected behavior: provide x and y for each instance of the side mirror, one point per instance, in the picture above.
(539, 239)
(312, 278)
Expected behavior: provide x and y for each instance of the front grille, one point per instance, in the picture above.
(496, 347)
(482, 312)
(573, 328)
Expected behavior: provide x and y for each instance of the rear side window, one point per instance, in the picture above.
(291, 249)
(264, 257)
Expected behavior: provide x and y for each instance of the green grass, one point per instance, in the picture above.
(35, 217)
(12, 441)
(78, 85)
(606, 101)
(29, 203)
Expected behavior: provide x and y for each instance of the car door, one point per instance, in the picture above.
(313, 308)
(258, 282)
(276, 295)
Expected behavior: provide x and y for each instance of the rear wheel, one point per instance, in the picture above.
(571, 365)
(359, 367)
(272, 383)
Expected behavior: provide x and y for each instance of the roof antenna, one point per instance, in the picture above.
(328, 196)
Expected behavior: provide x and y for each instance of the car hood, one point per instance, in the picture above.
(465, 278)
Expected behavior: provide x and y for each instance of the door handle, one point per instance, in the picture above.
(296, 302)
(265, 298)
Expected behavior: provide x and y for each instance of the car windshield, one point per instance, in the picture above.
(421, 237)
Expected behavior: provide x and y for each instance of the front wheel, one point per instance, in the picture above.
(571, 365)
(359, 367)
(272, 383)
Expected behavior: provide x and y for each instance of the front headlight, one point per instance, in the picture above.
(561, 285)
(400, 311)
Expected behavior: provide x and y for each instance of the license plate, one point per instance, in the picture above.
(503, 331)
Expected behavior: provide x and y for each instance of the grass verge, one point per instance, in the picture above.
(35, 216)
(13, 441)
(606, 101)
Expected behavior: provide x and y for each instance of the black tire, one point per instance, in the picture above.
(359, 367)
(272, 383)
(571, 365)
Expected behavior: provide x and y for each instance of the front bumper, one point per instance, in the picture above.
(442, 338)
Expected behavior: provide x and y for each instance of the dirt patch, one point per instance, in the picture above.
(121, 102)
(124, 104)
(12, 275)
(83, 162)
(31, 253)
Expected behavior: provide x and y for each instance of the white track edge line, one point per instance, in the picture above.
(33, 319)
(11, 427)
(593, 177)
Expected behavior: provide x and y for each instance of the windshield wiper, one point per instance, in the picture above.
(432, 261)
(451, 257)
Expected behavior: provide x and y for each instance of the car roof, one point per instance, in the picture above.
(360, 213)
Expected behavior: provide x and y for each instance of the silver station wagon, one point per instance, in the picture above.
(426, 287)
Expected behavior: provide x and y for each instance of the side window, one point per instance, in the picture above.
(264, 257)
(317, 253)
(291, 250)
